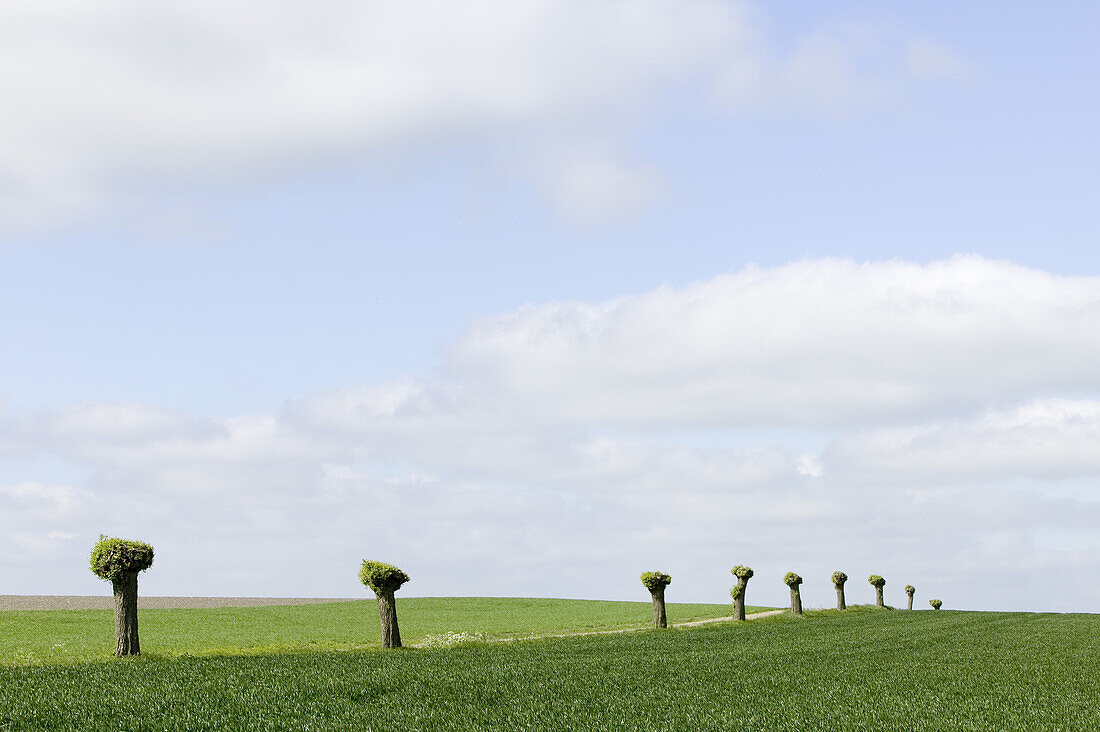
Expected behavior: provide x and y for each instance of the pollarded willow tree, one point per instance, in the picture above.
(743, 575)
(792, 580)
(839, 578)
(385, 579)
(120, 561)
(910, 591)
(935, 604)
(656, 582)
(878, 583)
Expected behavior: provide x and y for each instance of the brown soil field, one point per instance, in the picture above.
(104, 602)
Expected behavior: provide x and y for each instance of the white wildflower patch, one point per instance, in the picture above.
(446, 640)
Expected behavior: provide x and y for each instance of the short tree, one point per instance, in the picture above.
(839, 578)
(656, 582)
(743, 575)
(910, 591)
(792, 580)
(935, 604)
(120, 561)
(878, 583)
(385, 579)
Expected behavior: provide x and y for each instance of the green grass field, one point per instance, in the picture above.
(66, 636)
(863, 669)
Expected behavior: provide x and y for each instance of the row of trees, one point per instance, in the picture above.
(120, 561)
(656, 582)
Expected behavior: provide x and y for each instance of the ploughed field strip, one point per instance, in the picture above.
(865, 668)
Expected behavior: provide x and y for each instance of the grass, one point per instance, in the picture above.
(862, 669)
(66, 636)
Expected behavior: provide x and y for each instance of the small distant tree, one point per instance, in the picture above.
(656, 582)
(743, 575)
(839, 578)
(120, 561)
(910, 591)
(878, 583)
(935, 604)
(792, 580)
(385, 579)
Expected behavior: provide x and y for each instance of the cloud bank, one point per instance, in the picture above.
(108, 101)
(935, 424)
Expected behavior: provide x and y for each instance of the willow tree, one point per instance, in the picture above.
(792, 580)
(935, 604)
(120, 561)
(656, 582)
(878, 583)
(743, 575)
(910, 591)
(839, 578)
(385, 579)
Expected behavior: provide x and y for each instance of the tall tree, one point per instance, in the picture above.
(839, 578)
(120, 561)
(743, 575)
(656, 582)
(910, 591)
(385, 579)
(792, 580)
(878, 583)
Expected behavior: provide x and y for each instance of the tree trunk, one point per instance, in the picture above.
(126, 620)
(840, 604)
(659, 619)
(387, 613)
(910, 602)
(878, 597)
(796, 601)
(739, 601)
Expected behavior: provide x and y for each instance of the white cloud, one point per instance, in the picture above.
(956, 399)
(810, 465)
(824, 73)
(1043, 439)
(55, 499)
(591, 185)
(821, 343)
(928, 59)
(38, 521)
(105, 101)
(135, 435)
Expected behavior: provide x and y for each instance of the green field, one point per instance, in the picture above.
(862, 669)
(65, 636)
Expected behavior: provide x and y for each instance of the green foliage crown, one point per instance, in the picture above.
(935, 603)
(113, 557)
(876, 580)
(654, 581)
(742, 572)
(791, 579)
(381, 577)
(910, 590)
(839, 578)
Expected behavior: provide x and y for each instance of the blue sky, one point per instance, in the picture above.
(226, 236)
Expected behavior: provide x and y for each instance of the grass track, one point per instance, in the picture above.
(65, 636)
(862, 669)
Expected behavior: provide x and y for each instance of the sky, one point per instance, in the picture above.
(529, 297)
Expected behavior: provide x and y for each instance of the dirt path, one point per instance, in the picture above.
(750, 616)
(99, 602)
(691, 624)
